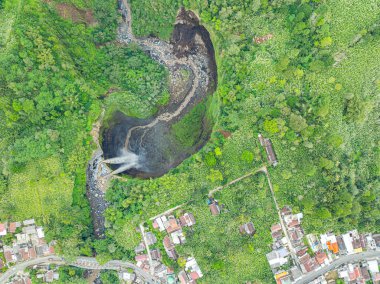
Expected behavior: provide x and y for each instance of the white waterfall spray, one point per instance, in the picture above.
(127, 159)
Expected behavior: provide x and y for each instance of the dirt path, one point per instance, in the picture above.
(211, 192)
(142, 230)
(283, 227)
(169, 211)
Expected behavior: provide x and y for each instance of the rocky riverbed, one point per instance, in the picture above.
(152, 143)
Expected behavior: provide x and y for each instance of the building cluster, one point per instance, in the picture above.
(27, 241)
(361, 273)
(46, 273)
(20, 278)
(291, 258)
(348, 243)
(153, 264)
(172, 229)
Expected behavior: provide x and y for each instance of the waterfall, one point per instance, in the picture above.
(126, 159)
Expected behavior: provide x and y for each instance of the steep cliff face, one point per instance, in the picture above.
(158, 145)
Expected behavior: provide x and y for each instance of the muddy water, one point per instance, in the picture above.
(153, 140)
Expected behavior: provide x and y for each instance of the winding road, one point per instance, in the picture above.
(81, 262)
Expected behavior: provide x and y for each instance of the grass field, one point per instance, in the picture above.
(40, 190)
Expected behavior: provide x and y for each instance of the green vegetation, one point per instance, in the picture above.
(67, 275)
(110, 277)
(187, 131)
(140, 84)
(312, 88)
(56, 74)
(221, 251)
(158, 16)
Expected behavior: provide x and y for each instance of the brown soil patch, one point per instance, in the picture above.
(70, 12)
(225, 133)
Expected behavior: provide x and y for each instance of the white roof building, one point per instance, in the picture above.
(299, 217)
(22, 238)
(178, 237)
(276, 258)
(40, 233)
(192, 265)
(161, 221)
(373, 266)
(327, 238)
(29, 222)
(347, 239)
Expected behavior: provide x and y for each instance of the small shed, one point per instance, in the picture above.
(247, 228)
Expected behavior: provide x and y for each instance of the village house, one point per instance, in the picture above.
(187, 220)
(140, 248)
(156, 254)
(183, 277)
(214, 206)
(29, 222)
(267, 144)
(13, 227)
(277, 258)
(169, 248)
(159, 222)
(307, 263)
(28, 242)
(373, 266)
(276, 231)
(172, 225)
(329, 241)
(141, 257)
(150, 238)
(127, 277)
(193, 269)
(178, 237)
(321, 258)
(314, 243)
(3, 230)
(247, 228)
(48, 276)
(283, 279)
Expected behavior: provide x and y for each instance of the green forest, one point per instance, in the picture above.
(311, 86)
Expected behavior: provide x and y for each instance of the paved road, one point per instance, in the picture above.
(20, 267)
(81, 262)
(342, 260)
